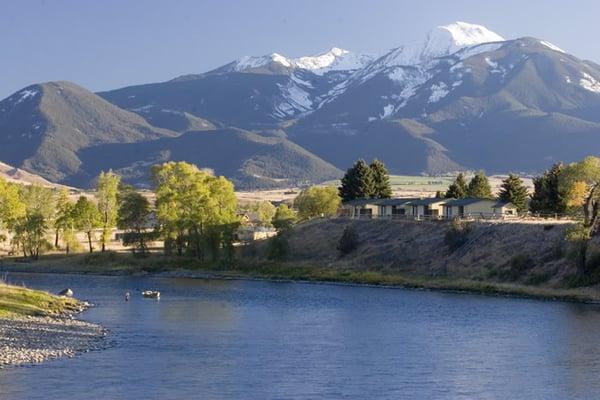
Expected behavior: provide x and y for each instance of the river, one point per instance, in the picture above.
(228, 339)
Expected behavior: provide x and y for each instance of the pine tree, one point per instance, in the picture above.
(458, 188)
(357, 183)
(381, 181)
(514, 191)
(547, 196)
(479, 187)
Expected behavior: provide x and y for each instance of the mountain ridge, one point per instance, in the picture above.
(463, 98)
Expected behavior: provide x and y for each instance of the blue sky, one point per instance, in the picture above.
(113, 43)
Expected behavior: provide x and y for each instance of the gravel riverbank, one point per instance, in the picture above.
(31, 340)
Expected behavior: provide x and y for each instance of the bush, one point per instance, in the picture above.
(593, 262)
(458, 234)
(537, 278)
(279, 248)
(349, 241)
(517, 265)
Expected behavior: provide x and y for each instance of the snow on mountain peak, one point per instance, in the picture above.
(448, 39)
(335, 59)
(441, 41)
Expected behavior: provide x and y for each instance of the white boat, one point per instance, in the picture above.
(152, 294)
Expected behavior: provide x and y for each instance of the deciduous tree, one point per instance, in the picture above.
(107, 189)
(284, 218)
(87, 218)
(317, 201)
(134, 213)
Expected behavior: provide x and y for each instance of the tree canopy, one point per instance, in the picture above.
(458, 188)
(107, 189)
(581, 182)
(382, 188)
(87, 218)
(548, 197)
(479, 187)
(317, 201)
(357, 183)
(194, 208)
(134, 213)
(284, 217)
(11, 206)
(513, 191)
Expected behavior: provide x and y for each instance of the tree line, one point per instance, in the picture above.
(194, 212)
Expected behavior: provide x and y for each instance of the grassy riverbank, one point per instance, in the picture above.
(125, 264)
(19, 301)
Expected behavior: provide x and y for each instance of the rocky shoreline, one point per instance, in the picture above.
(32, 340)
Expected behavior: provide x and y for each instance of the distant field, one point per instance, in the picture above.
(402, 186)
(420, 183)
(414, 184)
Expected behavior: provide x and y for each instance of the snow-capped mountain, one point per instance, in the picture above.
(335, 59)
(463, 97)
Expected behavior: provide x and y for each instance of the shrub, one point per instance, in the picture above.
(349, 241)
(279, 248)
(593, 262)
(537, 278)
(457, 234)
(517, 265)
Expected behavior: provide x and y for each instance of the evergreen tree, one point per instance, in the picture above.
(479, 187)
(514, 191)
(357, 183)
(547, 196)
(458, 188)
(381, 181)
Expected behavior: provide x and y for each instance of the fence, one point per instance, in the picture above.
(467, 217)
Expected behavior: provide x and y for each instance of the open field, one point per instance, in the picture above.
(402, 186)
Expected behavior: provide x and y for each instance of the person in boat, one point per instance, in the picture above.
(127, 296)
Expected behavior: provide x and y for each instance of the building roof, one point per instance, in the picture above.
(466, 201)
(504, 204)
(472, 200)
(394, 202)
(427, 201)
(378, 202)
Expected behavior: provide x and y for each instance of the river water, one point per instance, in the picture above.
(226, 339)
